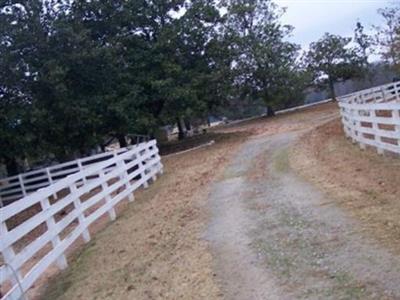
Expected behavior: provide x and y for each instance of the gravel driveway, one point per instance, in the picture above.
(275, 236)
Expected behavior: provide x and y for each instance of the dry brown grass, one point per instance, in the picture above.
(292, 121)
(154, 250)
(365, 184)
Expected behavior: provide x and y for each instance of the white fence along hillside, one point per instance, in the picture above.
(36, 230)
(372, 117)
(18, 186)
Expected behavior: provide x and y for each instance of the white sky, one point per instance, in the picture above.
(312, 18)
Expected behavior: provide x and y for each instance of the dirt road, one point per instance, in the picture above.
(275, 236)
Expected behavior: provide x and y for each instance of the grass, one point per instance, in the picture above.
(281, 161)
(154, 250)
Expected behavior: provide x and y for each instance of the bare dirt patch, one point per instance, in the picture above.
(363, 183)
(154, 250)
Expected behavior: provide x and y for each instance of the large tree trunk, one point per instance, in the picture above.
(121, 140)
(332, 89)
(267, 100)
(188, 126)
(181, 132)
(270, 111)
(11, 166)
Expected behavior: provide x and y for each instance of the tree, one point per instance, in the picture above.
(75, 72)
(124, 31)
(388, 36)
(76, 81)
(364, 43)
(264, 63)
(66, 79)
(20, 38)
(181, 61)
(194, 35)
(332, 60)
(364, 47)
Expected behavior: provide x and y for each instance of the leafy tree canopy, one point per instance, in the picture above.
(388, 35)
(331, 59)
(74, 73)
(265, 62)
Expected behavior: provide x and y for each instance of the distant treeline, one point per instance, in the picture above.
(380, 74)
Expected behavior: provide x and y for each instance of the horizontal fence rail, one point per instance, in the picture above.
(37, 230)
(380, 94)
(15, 187)
(372, 117)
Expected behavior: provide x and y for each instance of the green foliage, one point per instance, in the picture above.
(19, 37)
(364, 43)
(331, 60)
(265, 63)
(73, 73)
(388, 36)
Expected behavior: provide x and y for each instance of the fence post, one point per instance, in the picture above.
(80, 167)
(154, 177)
(375, 127)
(51, 224)
(81, 217)
(121, 164)
(21, 183)
(8, 256)
(104, 186)
(383, 94)
(160, 165)
(51, 181)
(362, 101)
(142, 166)
(359, 132)
(125, 176)
(396, 118)
(343, 112)
(354, 125)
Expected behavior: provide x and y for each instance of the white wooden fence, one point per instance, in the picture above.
(372, 117)
(61, 213)
(15, 187)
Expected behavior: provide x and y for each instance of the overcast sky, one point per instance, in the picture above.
(312, 18)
